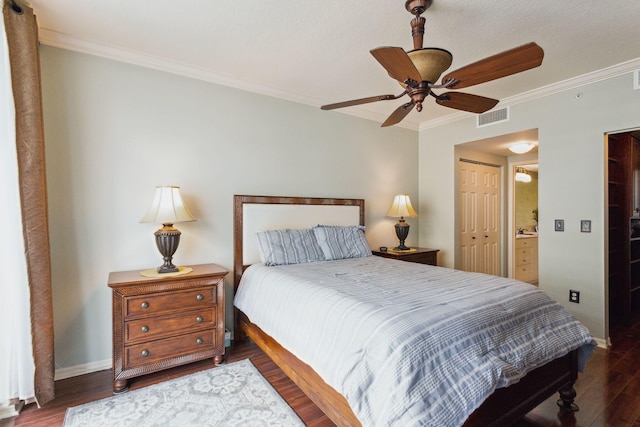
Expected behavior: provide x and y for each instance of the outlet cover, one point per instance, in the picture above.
(574, 296)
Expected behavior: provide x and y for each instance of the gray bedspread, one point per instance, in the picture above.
(409, 344)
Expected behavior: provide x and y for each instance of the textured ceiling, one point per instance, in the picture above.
(317, 52)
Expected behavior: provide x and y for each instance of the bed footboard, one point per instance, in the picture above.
(507, 405)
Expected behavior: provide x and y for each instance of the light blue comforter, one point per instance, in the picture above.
(409, 344)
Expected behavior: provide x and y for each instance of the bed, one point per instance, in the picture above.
(339, 368)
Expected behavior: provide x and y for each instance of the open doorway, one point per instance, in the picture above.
(525, 220)
(623, 201)
(494, 152)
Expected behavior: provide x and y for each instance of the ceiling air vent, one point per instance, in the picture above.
(636, 79)
(495, 116)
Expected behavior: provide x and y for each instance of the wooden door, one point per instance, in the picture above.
(479, 207)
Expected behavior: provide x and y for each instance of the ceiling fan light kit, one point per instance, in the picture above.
(419, 69)
(431, 62)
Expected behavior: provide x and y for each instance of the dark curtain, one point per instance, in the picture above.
(22, 36)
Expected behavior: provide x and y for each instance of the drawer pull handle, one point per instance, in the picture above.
(199, 341)
(199, 297)
(145, 353)
(199, 319)
(144, 305)
(145, 329)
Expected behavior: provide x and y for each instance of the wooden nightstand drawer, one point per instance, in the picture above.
(151, 305)
(152, 328)
(154, 351)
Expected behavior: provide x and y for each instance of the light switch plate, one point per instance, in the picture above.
(559, 225)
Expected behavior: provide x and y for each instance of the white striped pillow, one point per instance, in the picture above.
(282, 247)
(341, 242)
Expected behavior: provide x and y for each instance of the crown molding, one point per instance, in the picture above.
(552, 89)
(65, 41)
(56, 39)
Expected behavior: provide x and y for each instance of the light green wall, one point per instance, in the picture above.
(571, 132)
(115, 131)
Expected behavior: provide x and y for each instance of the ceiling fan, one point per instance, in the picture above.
(419, 69)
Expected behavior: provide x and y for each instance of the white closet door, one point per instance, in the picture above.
(479, 217)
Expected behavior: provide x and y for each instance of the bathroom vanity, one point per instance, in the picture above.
(526, 258)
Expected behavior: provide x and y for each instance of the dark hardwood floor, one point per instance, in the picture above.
(608, 392)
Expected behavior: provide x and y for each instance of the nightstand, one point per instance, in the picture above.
(420, 255)
(162, 322)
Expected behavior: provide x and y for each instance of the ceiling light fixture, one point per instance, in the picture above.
(521, 147)
(522, 175)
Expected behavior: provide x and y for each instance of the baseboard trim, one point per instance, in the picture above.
(602, 343)
(8, 411)
(87, 368)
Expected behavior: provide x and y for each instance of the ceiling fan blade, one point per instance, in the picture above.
(466, 102)
(399, 114)
(503, 64)
(357, 102)
(397, 63)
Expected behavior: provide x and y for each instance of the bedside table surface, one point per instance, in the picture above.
(123, 278)
(401, 253)
(419, 255)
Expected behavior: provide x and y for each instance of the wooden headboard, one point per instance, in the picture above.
(259, 213)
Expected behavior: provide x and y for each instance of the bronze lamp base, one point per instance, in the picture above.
(167, 240)
(402, 231)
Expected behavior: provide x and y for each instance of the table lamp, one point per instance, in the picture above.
(167, 209)
(400, 208)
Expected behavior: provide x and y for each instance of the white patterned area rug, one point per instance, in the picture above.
(235, 394)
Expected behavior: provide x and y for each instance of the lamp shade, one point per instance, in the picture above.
(168, 207)
(401, 207)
